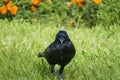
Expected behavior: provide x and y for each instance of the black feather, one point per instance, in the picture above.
(60, 51)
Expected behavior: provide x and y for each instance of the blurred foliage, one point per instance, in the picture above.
(71, 12)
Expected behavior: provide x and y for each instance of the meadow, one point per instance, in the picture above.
(97, 51)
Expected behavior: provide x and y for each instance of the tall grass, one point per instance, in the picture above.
(97, 56)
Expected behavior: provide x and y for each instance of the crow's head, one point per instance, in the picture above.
(62, 36)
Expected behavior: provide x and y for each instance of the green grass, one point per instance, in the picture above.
(97, 56)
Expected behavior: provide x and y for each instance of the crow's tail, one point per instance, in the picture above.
(40, 54)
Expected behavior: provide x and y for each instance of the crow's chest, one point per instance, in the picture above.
(63, 53)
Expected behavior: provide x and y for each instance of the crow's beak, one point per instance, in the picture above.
(62, 40)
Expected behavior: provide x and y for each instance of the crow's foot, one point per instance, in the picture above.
(58, 76)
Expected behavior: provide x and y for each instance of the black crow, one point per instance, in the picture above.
(60, 52)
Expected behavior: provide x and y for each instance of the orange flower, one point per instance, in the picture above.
(3, 10)
(77, 1)
(33, 8)
(35, 2)
(97, 1)
(80, 3)
(6, 1)
(74, 1)
(9, 5)
(70, 23)
(13, 10)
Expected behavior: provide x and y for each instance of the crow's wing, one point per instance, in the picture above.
(49, 52)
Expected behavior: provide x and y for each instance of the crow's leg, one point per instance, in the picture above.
(54, 73)
(60, 73)
(61, 69)
(52, 69)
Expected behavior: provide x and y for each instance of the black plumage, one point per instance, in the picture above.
(60, 52)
